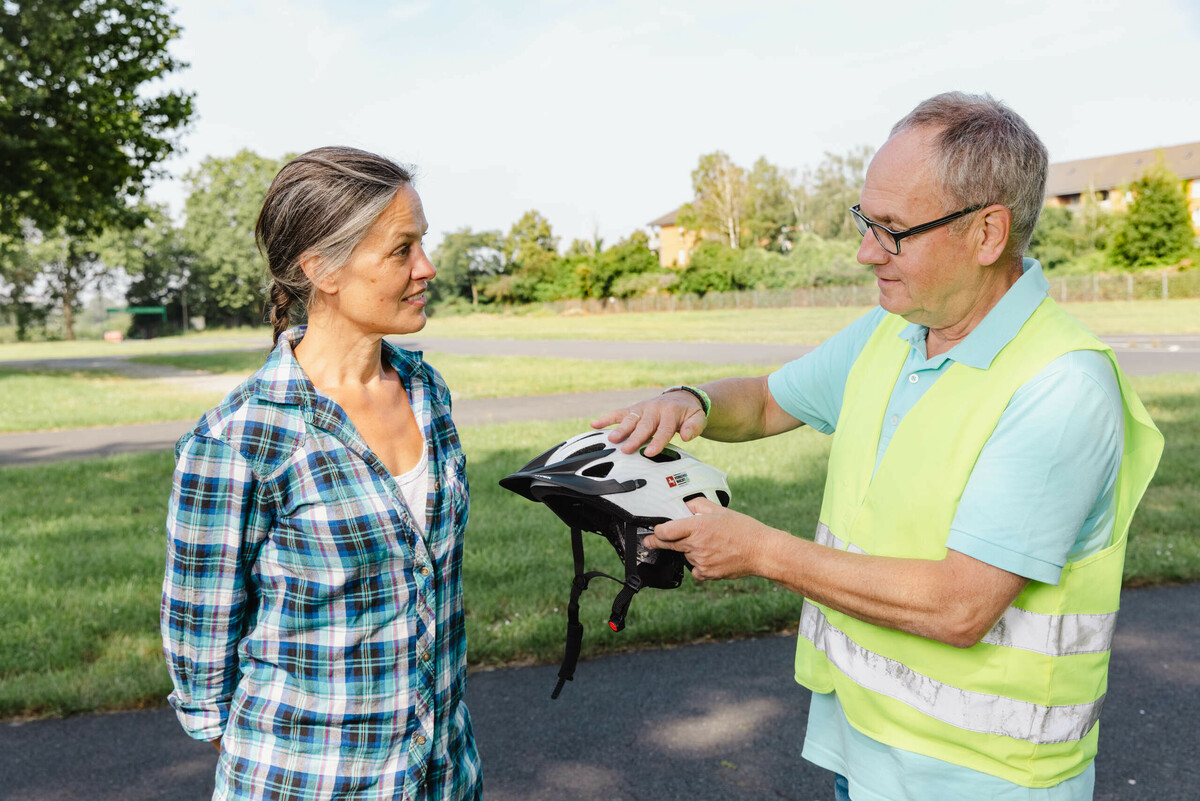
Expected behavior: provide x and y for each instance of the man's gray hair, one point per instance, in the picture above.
(984, 153)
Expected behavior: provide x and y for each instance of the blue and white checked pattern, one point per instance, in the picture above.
(304, 618)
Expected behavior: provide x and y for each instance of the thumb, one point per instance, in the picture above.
(702, 505)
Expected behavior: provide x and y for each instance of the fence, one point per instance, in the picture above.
(1065, 289)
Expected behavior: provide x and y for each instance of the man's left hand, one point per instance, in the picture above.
(719, 543)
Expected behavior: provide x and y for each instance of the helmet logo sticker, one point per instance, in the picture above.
(678, 480)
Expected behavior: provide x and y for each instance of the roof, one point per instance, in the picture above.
(1109, 172)
(666, 219)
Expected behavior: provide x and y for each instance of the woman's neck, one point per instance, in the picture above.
(335, 355)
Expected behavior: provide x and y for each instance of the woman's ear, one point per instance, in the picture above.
(322, 280)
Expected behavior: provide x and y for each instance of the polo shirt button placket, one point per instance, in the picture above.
(912, 378)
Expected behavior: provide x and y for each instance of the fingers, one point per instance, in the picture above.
(611, 418)
(670, 536)
(702, 505)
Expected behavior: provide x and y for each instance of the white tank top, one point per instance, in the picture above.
(414, 487)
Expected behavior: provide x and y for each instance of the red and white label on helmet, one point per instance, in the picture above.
(677, 480)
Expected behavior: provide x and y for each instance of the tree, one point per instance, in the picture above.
(221, 208)
(80, 134)
(1056, 238)
(770, 213)
(69, 265)
(538, 273)
(463, 259)
(832, 189)
(160, 266)
(1157, 228)
(626, 269)
(19, 272)
(720, 198)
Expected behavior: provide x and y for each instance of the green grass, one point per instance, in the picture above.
(54, 400)
(45, 400)
(801, 325)
(216, 339)
(83, 556)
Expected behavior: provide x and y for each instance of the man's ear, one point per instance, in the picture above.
(310, 263)
(993, 235)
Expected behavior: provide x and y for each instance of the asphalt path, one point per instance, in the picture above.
(1139, 354)
(698, 722)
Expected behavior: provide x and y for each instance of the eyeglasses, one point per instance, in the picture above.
(889, 240)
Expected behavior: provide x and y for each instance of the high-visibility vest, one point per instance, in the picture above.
(1022, 704)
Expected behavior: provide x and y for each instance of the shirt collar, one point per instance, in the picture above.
(282, 380)
(980, 347)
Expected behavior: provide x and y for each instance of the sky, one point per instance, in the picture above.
(595, 114)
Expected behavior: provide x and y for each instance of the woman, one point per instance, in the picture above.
(312, 608)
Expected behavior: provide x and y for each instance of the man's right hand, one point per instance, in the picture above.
(654, 422)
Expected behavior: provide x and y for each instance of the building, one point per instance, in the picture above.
(674, 243)
(1109, 177)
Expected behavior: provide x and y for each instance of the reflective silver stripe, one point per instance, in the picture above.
(1053, 635)
(826, 537)
(954, 706)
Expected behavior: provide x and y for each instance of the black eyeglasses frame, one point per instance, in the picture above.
(863, 223)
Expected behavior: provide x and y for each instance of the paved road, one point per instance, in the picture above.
(1139, 354)
(700, 722)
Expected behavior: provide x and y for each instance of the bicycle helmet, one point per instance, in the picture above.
(592, 485)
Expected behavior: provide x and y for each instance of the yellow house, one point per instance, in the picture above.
(1107, 177)
(674, 243)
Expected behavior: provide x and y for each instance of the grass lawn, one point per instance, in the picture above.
(39, 401)
(57, 400)
(801, 325)
(82, 567)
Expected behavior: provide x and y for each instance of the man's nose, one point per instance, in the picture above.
(870, 252)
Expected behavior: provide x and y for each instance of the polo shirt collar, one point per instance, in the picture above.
(980, 347)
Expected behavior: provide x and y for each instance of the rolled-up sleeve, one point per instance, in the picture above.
(210, 536)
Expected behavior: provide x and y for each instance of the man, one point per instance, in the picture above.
(987, 456)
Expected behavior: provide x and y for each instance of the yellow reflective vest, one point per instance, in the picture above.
(1021, 704)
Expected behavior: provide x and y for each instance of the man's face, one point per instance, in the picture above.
(934, 281)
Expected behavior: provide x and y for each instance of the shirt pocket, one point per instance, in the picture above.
(339, 531)
(456, 494)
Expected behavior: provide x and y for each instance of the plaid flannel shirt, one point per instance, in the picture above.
(303, 616)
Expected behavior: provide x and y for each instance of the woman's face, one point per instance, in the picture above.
(381, 289)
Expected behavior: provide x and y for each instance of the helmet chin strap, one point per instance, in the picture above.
(620, 607)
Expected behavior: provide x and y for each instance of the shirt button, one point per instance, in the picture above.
(895, 419)
(424, 570)
(912, 379)
(419, 739)
(425, 657)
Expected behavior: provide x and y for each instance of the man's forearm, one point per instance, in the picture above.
(743, 410)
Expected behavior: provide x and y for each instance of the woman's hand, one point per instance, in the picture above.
(655, 421)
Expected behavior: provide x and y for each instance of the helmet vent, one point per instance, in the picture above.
(666, 455)
(599, 470)
(723, 497)
(599, 446)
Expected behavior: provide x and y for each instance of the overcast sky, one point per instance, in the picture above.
(596, 113)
